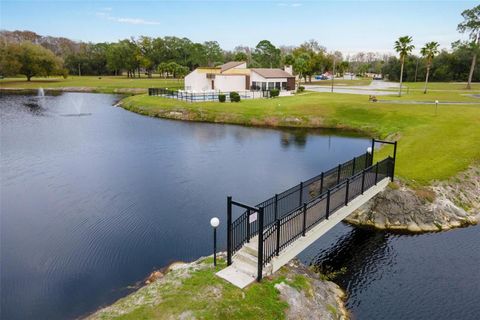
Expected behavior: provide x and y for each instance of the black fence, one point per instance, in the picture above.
(290, 200)
(291, 227)
(204, 96)
(288, 215)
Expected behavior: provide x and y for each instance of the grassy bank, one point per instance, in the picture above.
(106, 84)
(431, 147)
(193, 291)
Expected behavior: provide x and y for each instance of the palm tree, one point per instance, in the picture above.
(404, 47)
(428, 52)
(471, 24)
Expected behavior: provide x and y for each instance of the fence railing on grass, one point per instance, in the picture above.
(204, 96)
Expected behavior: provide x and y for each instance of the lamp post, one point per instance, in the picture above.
(214, 222)
(436, 106)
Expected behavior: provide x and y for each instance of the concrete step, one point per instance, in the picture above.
(245, 257)
(251, 248)
(245, 268)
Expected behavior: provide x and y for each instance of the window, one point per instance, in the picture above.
(264, 86)
(277, 85)
(271, 85)
(284, 85)
(255, 86)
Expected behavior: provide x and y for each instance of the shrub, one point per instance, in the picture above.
(274, 93)
(234, 97)
(222, 97)
(301, 89)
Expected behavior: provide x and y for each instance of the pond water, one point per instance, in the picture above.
(94, 198)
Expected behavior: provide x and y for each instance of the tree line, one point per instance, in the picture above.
(29, 54)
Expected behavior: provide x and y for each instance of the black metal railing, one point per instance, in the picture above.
(291, 227)
(290, 214)
(211, 95)
(290, 200)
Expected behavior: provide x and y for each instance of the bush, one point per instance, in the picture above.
(301, 89)
(234, 97)
(274, 93)
(222, 97)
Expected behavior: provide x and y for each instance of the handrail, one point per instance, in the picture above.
(298, 228)
(291, 210)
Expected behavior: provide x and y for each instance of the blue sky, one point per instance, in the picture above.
(348, 26)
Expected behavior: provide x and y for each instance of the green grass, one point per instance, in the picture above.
(206, 296)
(98, 84)
(451, 86)
(431, 147)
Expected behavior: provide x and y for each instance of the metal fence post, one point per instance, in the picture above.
(376, 173)
(321, 184)
(328, 204)
(260, 244)
(301, 194)
(276, 206)
(394, 159)
(229, 230)
(338, 173)
(366, 160)
(373, 149)
(353, 166)
(304, 219)
(248, 225)
(363, 180)
(346, 191)
(277, 251)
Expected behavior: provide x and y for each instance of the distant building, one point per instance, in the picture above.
(235, 76)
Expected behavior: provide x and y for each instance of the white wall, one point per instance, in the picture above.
(197, 81)
(227, 83)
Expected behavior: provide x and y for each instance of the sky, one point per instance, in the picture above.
(347, 26)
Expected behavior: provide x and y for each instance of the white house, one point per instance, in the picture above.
(235, 76)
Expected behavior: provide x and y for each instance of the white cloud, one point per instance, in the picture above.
(291, 5)
(128, 20)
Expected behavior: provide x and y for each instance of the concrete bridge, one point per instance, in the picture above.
(265, 237)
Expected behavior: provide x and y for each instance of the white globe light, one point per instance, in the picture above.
(369, 149)
(214, 222)
(436, 101)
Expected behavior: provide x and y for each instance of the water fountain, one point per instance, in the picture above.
(40, 92)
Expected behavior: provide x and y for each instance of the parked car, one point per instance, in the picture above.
(321, 77)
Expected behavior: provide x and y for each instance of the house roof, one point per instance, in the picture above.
(272, 73)
(230, 65)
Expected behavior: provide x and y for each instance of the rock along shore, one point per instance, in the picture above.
(442, 206)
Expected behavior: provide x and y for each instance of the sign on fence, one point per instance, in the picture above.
(253, 217)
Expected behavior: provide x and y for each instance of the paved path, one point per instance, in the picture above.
(372, 89)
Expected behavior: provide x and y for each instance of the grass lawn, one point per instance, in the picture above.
(340, 82)
(431, 147)
(95, 83)
(204, 296)
(450, 86)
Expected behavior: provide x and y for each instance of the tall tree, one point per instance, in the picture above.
(471, 24)
(404, 47)
(429, 51)
(35, 60)
(266, 55)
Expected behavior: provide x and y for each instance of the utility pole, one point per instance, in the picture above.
(416, 70)
(333, 73)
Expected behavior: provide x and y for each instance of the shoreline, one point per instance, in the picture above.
(294, 292)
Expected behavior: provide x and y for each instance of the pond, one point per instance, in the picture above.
(94, 198)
